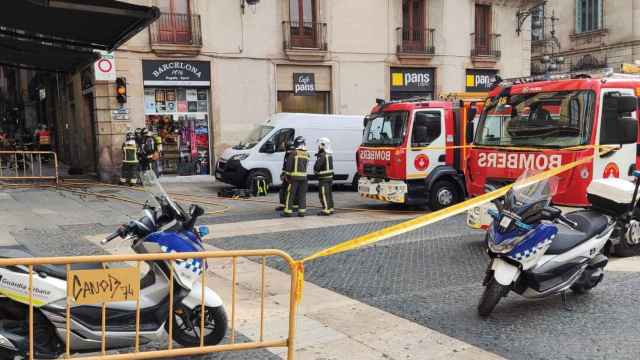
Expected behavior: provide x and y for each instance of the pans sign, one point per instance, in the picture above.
(304, 84)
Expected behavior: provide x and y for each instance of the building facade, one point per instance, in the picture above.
(208, 71)
(586, 34)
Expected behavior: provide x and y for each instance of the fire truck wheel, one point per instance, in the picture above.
(354, 183)
(442, 194)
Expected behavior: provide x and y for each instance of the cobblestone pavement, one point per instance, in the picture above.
(430, 276)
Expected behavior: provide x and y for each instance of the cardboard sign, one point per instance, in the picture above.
(85, 287)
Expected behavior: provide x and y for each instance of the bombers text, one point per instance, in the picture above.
(519, 161)
(375, 155)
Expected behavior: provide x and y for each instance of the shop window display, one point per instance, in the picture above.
(180, 116)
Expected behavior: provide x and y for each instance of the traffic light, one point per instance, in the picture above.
(121, 90)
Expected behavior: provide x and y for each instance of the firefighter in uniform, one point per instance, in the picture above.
(156, 156)
(282, 194)
(129, 160)
(323, 169)
(146, 149)
(296, 176)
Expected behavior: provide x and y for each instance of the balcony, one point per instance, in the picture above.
(485, 49)
(176, 33)
(305, 40)
(415, 44)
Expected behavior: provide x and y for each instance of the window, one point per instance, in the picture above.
(547, 119)
(537, 23)
(386, 129)
(426, 128)
(483, 28)
(255, 136)
(413, 24)
(175, 21)
(589, 14)
(281, 138)
(302, 14)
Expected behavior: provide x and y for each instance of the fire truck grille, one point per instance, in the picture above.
(375, 171)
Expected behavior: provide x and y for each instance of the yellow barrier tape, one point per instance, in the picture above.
(431, 218)
(491, 147)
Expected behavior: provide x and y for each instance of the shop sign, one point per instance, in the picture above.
(480, 80)
(412, 79)
(176, 73)
(105, 67)
(304, 84)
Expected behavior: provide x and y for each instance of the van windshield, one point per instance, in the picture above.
(387, 129)
(256, 135)
(547, 119)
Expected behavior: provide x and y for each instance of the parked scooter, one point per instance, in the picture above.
(536, 251)
(165, 228)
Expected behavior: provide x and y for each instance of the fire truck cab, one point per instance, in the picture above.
(529, 123)
(403, 158)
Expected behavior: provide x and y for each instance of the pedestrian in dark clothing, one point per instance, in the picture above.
(323, 169)
(296, 174)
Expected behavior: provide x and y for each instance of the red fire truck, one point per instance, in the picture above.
(403, 159)
(529, 123)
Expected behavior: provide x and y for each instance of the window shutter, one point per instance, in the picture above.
(578, 16)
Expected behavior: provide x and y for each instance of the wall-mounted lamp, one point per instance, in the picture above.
(244, 3)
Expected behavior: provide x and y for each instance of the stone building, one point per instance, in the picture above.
(587, 34)
(207, 72)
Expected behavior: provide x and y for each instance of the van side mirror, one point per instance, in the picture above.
(269, 147)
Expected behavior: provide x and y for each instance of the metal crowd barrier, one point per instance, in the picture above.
(170, 351)
(28, 165)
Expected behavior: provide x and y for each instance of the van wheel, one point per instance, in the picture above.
(257, 174)
(442, 194)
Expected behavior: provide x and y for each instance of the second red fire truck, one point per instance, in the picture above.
(528, 123)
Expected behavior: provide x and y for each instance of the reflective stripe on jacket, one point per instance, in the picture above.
(324, 166)
(296, 165)
(130, 154)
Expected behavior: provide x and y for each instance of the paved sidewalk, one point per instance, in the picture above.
(329, 325)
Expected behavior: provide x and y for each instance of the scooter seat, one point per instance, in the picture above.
(590, 223)
(57, 271)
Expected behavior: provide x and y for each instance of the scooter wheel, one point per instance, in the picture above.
(492, 294)
(186, 327)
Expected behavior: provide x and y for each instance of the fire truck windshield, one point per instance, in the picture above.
(386, 129)
(546, 119)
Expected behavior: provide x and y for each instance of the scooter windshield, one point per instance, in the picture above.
(157, 193)
(529, 188)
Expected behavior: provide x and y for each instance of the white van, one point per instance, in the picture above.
(261, 153)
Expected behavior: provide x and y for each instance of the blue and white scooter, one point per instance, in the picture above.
(164, 228)
(536, 251)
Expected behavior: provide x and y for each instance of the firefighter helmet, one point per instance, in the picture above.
(300, 143)
(324, 144)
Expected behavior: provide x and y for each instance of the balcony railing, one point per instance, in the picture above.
(176, 29)
(304, 35)
(485, 45)
(415, 41)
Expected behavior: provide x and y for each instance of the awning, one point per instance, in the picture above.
(66, 29)
(37, 56)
